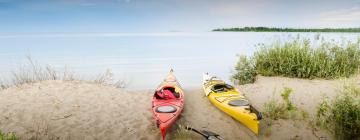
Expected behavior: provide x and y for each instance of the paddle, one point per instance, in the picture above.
(206, 134)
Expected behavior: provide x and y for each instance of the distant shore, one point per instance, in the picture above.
(272, 29)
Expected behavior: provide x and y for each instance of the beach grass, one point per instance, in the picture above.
(298, 58)
(182, 133)
(33, 72)
(341, 116)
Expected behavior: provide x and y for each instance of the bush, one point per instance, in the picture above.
(8, 136)
(245, 71)
(297, 58)
(342, 115)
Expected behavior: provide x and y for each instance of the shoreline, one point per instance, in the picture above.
(44, 109)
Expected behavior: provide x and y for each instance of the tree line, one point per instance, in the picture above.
(272, 29)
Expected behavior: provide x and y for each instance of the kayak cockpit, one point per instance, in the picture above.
(166, 109)
(166, 93)
(222, 88)
(238, 102)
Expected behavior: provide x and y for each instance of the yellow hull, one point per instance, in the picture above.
(244, 114)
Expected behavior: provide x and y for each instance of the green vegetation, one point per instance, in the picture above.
(341, 116)
(297, 58)
(245, 71)
(284, 109)
(8, 136)
(270, 29)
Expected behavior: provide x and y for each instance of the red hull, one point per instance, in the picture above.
(164, 121)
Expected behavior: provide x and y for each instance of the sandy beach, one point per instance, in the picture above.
(84, 110)
(89, 69)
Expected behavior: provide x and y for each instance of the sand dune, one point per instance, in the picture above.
(306, 95)
(75, 110)
(81, 110)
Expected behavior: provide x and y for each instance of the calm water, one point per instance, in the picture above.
(142, 59)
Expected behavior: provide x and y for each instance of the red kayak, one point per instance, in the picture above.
(167, 103)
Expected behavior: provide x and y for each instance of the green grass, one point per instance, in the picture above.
(283, 109)
(270, 29)
(273, 109)
(8, 136)
(297, 58)
(341, 116)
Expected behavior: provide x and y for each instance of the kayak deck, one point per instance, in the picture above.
(229, 100)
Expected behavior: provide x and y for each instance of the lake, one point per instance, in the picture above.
(141, 59)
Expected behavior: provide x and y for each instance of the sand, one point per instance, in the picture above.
(82, 110)
(306, 96)
(75, 110)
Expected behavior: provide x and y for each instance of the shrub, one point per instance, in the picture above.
(322, 113)
(245, 71)
(342, 115)
(297, 58)
(273, 109)
(281, 110)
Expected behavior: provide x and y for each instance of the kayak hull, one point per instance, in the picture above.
(164, 120)
(241, 115)
(245, 114)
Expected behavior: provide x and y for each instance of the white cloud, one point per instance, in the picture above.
(350, 15)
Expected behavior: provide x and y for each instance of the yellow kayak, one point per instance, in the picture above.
(228, 99)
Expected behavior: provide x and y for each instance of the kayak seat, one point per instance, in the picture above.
(221, 88)
(172, 90)
(238, 103)
(166, 109)
(166, 93)
(156, 95)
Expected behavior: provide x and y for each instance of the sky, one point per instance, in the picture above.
(84, 16)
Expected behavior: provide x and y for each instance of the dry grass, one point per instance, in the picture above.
(33, 72)
(182, 133)
(107, 79)
(3, 85)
